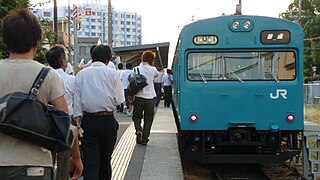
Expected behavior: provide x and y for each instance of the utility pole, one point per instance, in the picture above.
(69, 32)
(55, 19)
(109, 24)
(299, 13)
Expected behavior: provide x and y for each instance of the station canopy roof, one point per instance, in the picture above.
(133, 54)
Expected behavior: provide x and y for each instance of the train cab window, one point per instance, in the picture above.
(241, 66)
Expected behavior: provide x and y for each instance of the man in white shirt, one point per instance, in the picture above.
(56, 58)
(167, 80)
(124, 76)
(98, 91)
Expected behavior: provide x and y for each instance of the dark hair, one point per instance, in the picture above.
(128, 66)
(148, 56)
(101, 53)
(55, 56)
(21, 31)
(91, 50)
(120, 66)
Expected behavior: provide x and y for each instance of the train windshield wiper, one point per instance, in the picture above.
(234, 75)
(274, 77)
(202, 76)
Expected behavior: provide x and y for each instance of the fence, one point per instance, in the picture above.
(312, 93)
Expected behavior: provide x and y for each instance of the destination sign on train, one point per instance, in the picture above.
(275, 37)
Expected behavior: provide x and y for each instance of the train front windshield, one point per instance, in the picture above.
(241, 66)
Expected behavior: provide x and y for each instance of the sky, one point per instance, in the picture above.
(162, 20)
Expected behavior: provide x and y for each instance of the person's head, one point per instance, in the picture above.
(148, 56)
(120, 66)
(56, 57)
(91, 50)
(128, 66)
(101, 53)
(21, 31)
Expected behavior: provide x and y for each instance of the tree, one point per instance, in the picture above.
(309, 20)
(48, 35)
(5, 7)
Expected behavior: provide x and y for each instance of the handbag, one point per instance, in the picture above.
(137, 83)
(24, 117)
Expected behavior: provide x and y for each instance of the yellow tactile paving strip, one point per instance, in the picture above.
(122, 154)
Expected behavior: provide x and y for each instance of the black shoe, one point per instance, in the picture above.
(139, 137)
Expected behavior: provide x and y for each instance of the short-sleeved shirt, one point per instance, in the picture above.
(98, 88)
(69, 83)
(18, 76)
(150, 72)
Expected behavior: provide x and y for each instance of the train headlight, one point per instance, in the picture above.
(247, 24)
(193, 118)
(235, 24)
(241, 25)
(290, 117)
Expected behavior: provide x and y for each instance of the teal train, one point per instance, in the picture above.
(238, 89)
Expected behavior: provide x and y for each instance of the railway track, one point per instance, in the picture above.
(198, 171)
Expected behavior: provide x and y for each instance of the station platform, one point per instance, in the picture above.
(159, 160)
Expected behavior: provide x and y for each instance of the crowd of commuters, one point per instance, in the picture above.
(91, 96)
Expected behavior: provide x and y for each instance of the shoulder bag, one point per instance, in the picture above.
(137, 83)
(24, 117)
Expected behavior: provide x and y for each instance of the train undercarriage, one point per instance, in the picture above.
(240, 145)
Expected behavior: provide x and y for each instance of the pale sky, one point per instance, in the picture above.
(162, 20)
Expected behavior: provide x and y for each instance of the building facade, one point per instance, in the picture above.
(126, 26)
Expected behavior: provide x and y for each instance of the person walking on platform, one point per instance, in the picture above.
(56, 58)
(167, 80)
(143, 104)
(157, 86)
(21, 32)
(124, 76)
(98, 91)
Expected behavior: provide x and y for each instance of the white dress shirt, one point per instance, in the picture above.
(150, 72)
(98, 88)
(69, 83)
(124, 77)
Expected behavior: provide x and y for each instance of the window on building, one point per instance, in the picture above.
(98, 13)
(93, 34)
(122, 43)
(128, 16)
(128, 22)
(93, 20)
(47, 14)
(122, 29)
(93, 27)
(87, 34)
(128, 30)
(128, 43)
(93, 13)
(122, 22)
(99, 20)
(133, 23)
(99, 34)
(128, 36)
(122, 15)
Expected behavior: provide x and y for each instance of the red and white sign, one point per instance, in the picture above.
(88, 12)
(74, 11)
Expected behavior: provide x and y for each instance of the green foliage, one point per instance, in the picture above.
(49, 36)
(310, 22)
(5, 7)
